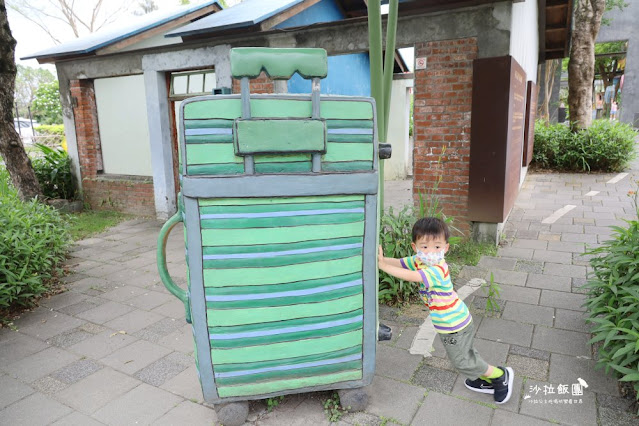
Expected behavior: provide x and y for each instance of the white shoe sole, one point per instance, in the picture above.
(511, 378)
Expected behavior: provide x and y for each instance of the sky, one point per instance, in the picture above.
(31, 39)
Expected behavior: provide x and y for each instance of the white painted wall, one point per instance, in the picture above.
(122, 119)
(400, 163)
(524, 37)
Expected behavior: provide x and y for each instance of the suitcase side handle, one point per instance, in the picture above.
(278, 63)
(162, 268)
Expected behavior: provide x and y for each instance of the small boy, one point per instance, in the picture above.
(448, 312)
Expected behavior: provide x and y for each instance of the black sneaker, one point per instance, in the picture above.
(479, 385)
(504, 385)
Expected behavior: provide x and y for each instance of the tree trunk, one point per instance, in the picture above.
(15, 158)
(581, 67)
(549, 81)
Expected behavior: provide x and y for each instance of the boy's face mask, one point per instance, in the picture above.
(431, 258)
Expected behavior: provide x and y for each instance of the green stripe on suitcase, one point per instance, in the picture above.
(215, 169)
(224, 237)
(208, 124)
(278, 338)
(321, 356)
(291, 349)
(286, 301)
(279, 200)
(289, 374)
(293, 259)
(277, 108)
(211, 154)
(298, 322)
(349, 166)
(281, 247)
(348, 152)
(263, 208)
(293, 167)
(280, 385)
(275, 274)
(349, 124)
(342, 138)
(200, 139)
(280, 222)
(230, 317)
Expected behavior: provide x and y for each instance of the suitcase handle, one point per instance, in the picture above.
(162, 268)
(278, 63)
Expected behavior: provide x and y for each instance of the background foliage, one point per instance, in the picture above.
(47, 108)
(605, 146)
(53, 170)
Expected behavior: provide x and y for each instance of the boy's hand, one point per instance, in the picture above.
(380, 256)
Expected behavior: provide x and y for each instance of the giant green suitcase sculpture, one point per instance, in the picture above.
(280, 209)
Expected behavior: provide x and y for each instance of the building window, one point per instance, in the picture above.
(192, 83)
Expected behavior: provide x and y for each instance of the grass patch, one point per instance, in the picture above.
(89, 223)
(467, 252)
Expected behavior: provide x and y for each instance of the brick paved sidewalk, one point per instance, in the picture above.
(115, 349)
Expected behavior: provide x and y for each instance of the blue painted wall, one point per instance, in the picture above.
(347, 74)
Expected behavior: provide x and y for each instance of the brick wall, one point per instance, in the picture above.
(126, 194)
(261, 84)
(442, 107)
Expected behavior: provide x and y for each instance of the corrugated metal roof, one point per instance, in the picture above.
(245, 14)
(119, 31)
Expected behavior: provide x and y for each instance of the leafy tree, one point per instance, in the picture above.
(47, 108)
(15, 158)
(581, 66)
(608, 66)
(28, 80)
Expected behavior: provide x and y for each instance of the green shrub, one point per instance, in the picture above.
(605, 146)
(613, 302)
(33, 241)
(53, 171)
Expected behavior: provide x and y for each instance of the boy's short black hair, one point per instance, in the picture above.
(431, 227)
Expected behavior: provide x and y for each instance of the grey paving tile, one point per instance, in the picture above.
(561, 341)
(579, 238)
(69, 338)
(494, 353)
(505, 331)
(34, 410)
(12, 391)
(492, 263)
(134, 321)
(514, 252)
(97, 390)
(172, 309)
(186, 384)
(106, 312)
(528, 367)
(458, 411)
(529, 352)
(49, 326)
(405, 337)
(560, 299)
(434, 379)
(608, 417)
(531, 314)
(530, 266)
(531, 235)
(553, 256)
(519, 294)
(575, 229)
(571, 320)
(393, 399)
(308, 407)
(396, 363)
(48, 385)
(549, 236)
(77, 371)
(40, 364)
(123, 293)
(18, 346)
(150, 300)
(161, 370)
(566, 369)
(142, 405)
(509, 277)
(135, 356)
(155, 332)
(582, 413)
(530, 244)
(77, 419)
(82, 306)
(505, 418)
(61, 300)
(549, 282)
(573, 271)
(566, 246)
(102, 344)
(188, 413)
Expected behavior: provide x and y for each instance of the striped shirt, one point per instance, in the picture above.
(448, 312)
